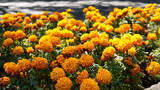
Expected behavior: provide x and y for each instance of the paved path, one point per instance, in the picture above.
(77, 6)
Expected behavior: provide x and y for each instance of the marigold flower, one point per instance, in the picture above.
(45, 13)
(54, 64)
(24, 65)
(57, 73)
(7, 34)
(124, 28)
(40, 63)
(88, 46)
(79, 47)
(18, 50)
(86, 60)
(39, 23)
(46, 46)
(85, 10)
(67, 34)
(107, 53)
(126, 36)
(69, 51)
(70, 65)
(128, 61)
(37, 46)
(109, 28)
(104, 41)
(27, 19)
(95, 41)
(153, 69)
(34, 26)
(151, 36)
(8, 42)
(63, 83)
(4, 81)
(75, 28)
(10, 67)
(69, 10)
(81, 76)
(132, 51)
(20, 34)
(103, 76)
(158, 30)
(52, 18)
(104, 35)
(135, 70)
(136, 27)
(89, 84)
(93, 34)
(83, 29)
(54, 40)
(60, 59)
(124, 45)
(32, 38)
(136, 38)
(27, 27)
(84, 37)
(29, 50)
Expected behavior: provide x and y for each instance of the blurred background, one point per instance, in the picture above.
(38, 6)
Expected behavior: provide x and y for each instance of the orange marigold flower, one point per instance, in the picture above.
(88, 46)
(107, 53)
(20, 34)
(95, 41)
(54, 64)
(29, 50)
(24, 65)
(136, 27)
(27, 19)
(124, 45)
(18, 50)
(34, 26)
(10, 67)
(7, 34)
(104, 35)
(81, 76)
(60, 59)
(52, 18)
(45, 13)
(126, 36)
(46, 46)
(84, 37)
(136, 38)
(69, 51)
(104, 41)
(86, 60)
(63, 83)
(39, 23)
(54, 40)
(128, 61)
(57, 73)
(8, 42)
(135, 70)
(153, 69)
(109, 28)
(32, 38)
(69, 10)
(67, 34)
(40, 63)
(89, 84)
(132, 51)
(124, 28)
(93, 34)
(70, 65)
(27, 27)
(79, 47)
(151, 36)
(4, 80)
(103, 76)
(85, 10)
(37, 46)
(83, 29)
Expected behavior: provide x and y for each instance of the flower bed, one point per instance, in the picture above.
(59, 52)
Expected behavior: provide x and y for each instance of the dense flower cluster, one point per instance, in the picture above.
(154, 68)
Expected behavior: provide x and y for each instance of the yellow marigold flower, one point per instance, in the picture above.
(104, 41)
(84, 37)
(67, 34)
(69, 10)
(93, 34)
(151, 36)
(83, 29)
(20, 34)
(136, 27)
(29, 50)
(68, 26)
(54, 40)
(39, 23)
(128, 61)
(55, 32)
(57, 73)
(75, 28)
(132, 51)
(70, 65)
(126, 36)
(27, 19)
(63, 83)
(7, 34)
(89, 84)
(86, 60)
(45, 13)
(10, 67)
(109, 28)
(153, 69)
(24, 65)
(62, 23)
(135, 70)
(54, 64)
(104, 35)
(32, 38)
(95, 41)
(124, 28)
(44, 18)
(4, 81)
(136, 38)
(8, 42)
(81, 76)
(88, 46)
(60, 59)
(40, 63)
(103, 76)
(85, 10)
(52, 18)
(43, 39)
(18, 50)
(69, 51)
(107, 53)
(158, 30)
(124, 45)
(46, 46)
